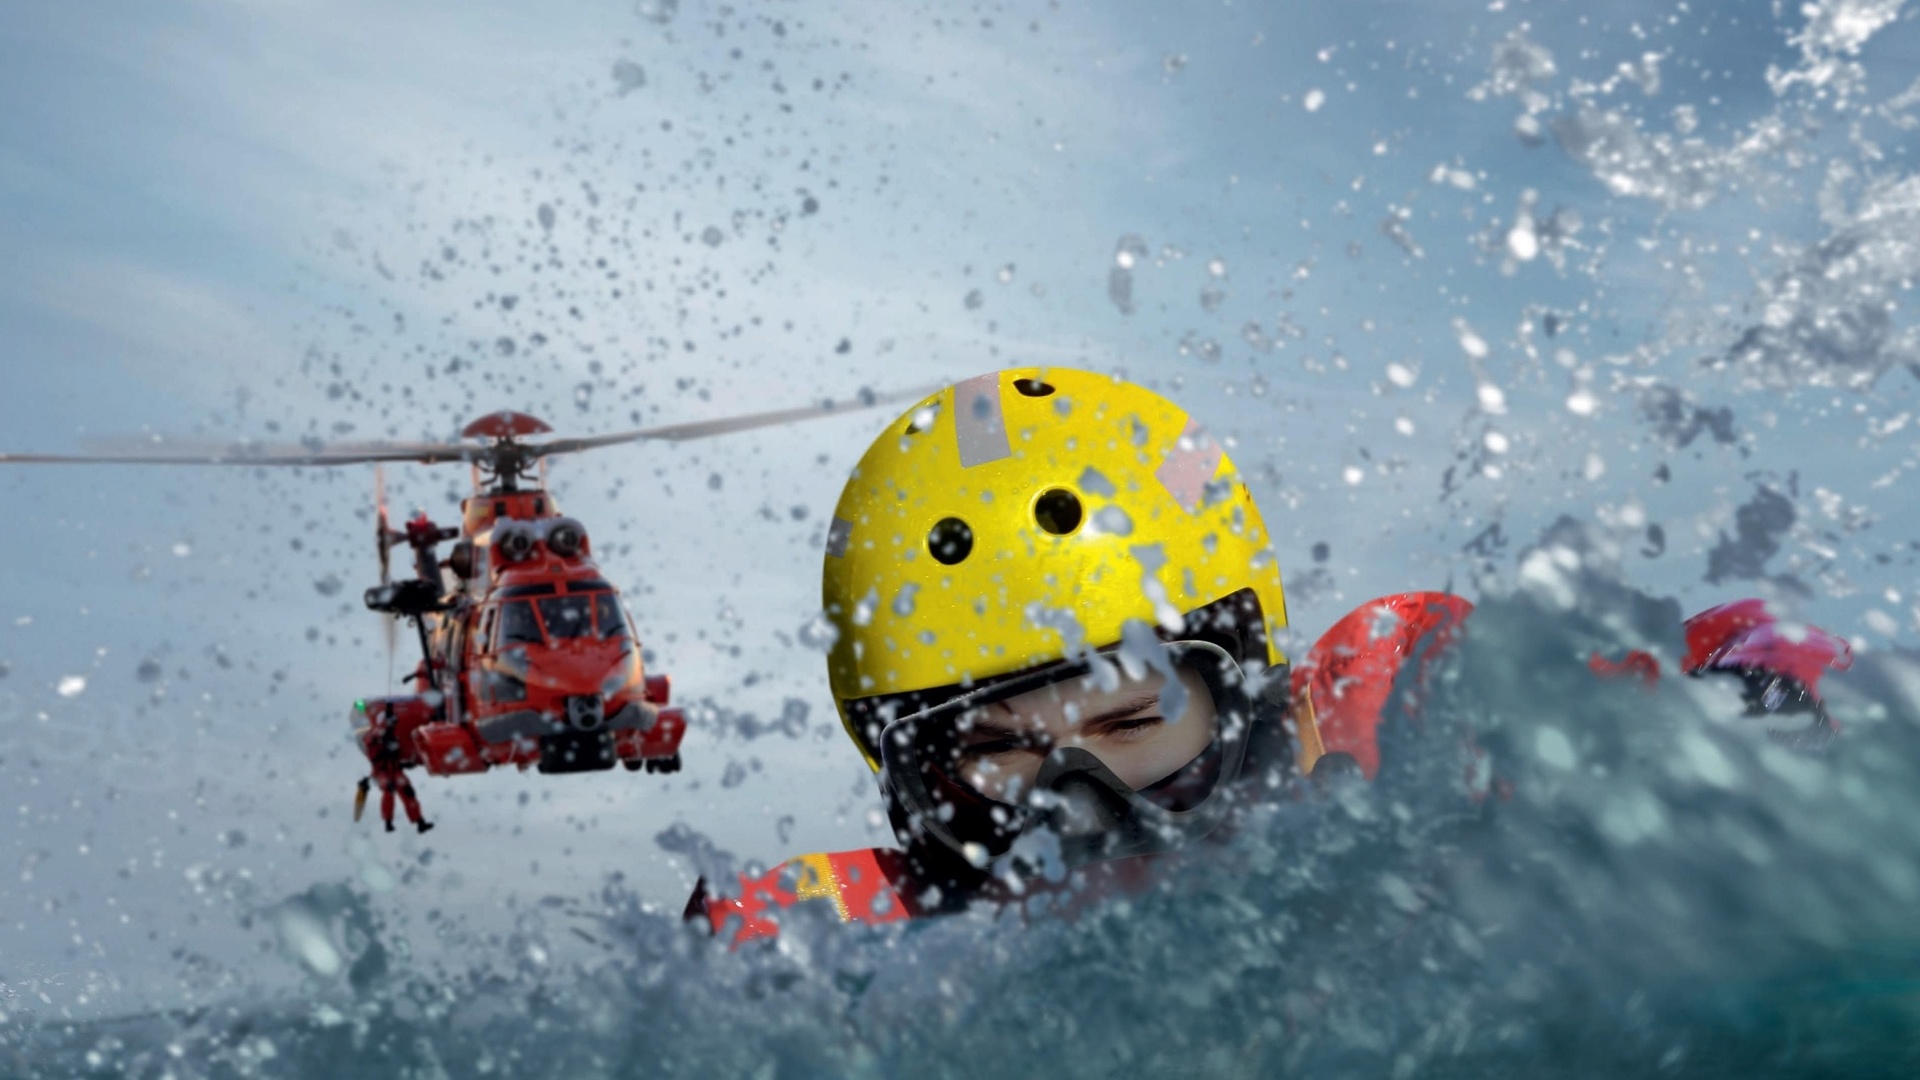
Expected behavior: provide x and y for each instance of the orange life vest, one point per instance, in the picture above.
(863, 885)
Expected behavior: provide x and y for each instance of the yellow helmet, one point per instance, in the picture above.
(1022, 515)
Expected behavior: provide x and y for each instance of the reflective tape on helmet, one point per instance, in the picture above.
(838, 535)
(978, 422)
(1192, 461)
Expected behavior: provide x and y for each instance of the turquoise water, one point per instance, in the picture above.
(1663, 892)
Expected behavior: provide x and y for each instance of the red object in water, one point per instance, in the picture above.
(1745, 635)
(1636, 662)
(862, 886)
(1341, 687)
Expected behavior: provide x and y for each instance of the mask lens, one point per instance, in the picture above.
(1145, 725)
(1144, 734)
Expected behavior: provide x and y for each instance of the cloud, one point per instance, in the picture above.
(158, 324)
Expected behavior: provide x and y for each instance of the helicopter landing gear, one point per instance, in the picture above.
(663, 765)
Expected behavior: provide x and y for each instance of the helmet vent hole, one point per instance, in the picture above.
(950, 541)
(1057, 511)
(1033, 387)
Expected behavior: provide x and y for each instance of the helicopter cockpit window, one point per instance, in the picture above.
(517, 625)
(567, 616)
(613, 621)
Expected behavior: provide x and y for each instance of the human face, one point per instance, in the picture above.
(1002, 745)
(1118, 754)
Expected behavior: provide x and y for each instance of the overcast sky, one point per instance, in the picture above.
(1432, 267)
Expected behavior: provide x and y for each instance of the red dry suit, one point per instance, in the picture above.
(1339, 692)
(389, 772)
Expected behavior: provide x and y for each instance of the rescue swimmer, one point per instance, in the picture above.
(1058, 614)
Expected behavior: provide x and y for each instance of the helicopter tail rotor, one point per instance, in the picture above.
(384, 538)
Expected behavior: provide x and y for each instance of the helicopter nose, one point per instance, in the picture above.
(579, 670)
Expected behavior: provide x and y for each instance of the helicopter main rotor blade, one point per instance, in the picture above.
(202, 452)
(701, 429)
(155, 450)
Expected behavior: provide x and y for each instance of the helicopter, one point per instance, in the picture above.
(528, 656)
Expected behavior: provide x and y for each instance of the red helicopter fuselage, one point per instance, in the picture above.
(530, 657)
